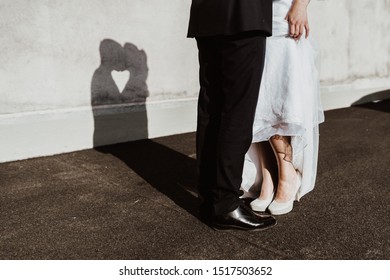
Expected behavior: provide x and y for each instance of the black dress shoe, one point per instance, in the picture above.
(242, 218)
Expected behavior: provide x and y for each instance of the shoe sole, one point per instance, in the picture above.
(234, 228)
(262, 213)
(258, 209)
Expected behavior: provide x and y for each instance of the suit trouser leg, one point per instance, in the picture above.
(230, 75)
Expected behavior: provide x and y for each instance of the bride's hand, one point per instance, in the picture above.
(297, 19)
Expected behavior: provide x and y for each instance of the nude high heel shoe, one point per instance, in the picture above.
(260, 205)
(280, 208)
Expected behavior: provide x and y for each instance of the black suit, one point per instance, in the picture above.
(231, 41)
(229, 17)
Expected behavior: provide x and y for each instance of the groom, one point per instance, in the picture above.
(231, 36)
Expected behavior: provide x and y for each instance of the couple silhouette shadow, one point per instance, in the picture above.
(115, 58)
(120, 116)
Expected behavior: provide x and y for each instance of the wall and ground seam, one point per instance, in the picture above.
(79, 74)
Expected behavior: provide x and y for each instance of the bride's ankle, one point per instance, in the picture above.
(267, 190)
(286, 189)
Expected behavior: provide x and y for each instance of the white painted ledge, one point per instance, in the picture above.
(44, 133)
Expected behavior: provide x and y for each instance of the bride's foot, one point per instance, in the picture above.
(286, 194)
(269, 172)
(266, 196)
(287, 187)
(289, 180)
(261, 204)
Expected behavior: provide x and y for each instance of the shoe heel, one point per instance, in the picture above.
(299, 183)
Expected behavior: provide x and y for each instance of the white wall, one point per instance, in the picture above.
(50, 48)
(50, 54)
(353, 36)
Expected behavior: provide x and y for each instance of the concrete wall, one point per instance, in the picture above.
(77, 74)
(353, 37)
(50, 48)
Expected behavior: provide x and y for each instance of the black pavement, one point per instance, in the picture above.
(138, 201)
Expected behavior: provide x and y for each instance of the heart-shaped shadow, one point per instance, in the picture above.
(121, 78)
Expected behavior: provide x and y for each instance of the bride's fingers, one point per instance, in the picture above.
(292, 30)
(307, 29)
(301, 30)
(297, 34)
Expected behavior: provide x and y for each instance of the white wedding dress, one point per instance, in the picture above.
(288, 105)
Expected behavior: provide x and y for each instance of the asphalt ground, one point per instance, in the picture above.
(137, 200)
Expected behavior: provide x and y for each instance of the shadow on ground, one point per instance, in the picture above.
(376, 101)
(168, 171)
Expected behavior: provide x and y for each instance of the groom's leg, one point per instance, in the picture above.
(242, 61)
(208, 122)
(230, 74)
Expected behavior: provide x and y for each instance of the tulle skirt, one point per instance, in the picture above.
(289, 103)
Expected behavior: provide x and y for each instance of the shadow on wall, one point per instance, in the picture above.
(378, 101)
(118, 94)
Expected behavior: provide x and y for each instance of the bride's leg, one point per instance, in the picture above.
(287, 173)
(269, 169)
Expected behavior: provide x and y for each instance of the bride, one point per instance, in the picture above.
(282, 160)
